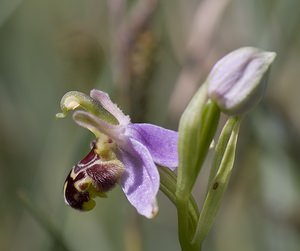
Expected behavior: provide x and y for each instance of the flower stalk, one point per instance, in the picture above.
(168, 181)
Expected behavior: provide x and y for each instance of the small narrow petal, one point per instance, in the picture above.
(96, 125)
(112, 108)
(140, 180)
(161, 143)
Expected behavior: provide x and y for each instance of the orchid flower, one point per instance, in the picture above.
(123, 153)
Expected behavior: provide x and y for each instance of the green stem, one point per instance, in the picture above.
(168, 182)
(182, 212)
(217, 189)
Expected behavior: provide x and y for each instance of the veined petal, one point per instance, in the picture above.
(161, 142)
(108, 105)
(140, 180)
(96, 125)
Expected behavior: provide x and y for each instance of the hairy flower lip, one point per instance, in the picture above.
(91, 177)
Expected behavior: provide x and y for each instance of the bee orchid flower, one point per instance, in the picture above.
(123, 153)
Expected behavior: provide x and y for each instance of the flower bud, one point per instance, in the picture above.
(236, 82)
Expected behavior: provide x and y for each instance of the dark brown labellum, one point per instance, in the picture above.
(91, 177)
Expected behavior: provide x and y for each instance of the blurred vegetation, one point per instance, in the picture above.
(150, 56)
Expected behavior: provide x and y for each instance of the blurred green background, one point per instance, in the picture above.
(150, 56)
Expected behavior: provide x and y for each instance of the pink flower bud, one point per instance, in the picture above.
(236, 82)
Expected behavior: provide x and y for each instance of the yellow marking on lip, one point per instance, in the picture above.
(85, 181)
(73, 174)
(88, 205)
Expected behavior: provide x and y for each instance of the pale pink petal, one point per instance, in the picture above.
(161, 143)
(140, 181)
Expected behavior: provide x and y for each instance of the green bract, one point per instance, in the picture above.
(197, 128)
